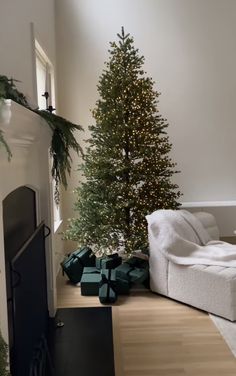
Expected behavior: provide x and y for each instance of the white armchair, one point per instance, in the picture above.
(210, 288)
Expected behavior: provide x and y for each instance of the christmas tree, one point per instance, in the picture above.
(127, 168)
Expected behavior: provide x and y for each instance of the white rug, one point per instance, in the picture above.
(228, 331)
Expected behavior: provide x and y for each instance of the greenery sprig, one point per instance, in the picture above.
(4, 144)
(63, 139)
(8, 90)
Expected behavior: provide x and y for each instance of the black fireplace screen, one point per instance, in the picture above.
(19, 218)
(26, 281)
(29, 301)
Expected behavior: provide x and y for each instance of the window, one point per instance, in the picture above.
(45, 78)
(46, 84)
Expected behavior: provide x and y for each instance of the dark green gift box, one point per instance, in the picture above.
(90, 269)
(73, 268)
(138, 275)
(108, 262)
(87, 256)
(122, 286)
(90, 284)
(131, 274)
(107, 291)
(137, 262)
(73, 264)
(123, 270)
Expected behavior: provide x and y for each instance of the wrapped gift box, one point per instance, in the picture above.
(123, 270)
(122, 286)
(90, 270)
(108, 262)
(131, 273)
(138, 262)
(87, 256)
(90, 284)
(108, 274)
(107, 291)
(73, 265)
(138, 275)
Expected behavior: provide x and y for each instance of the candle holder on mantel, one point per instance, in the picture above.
(49, 107)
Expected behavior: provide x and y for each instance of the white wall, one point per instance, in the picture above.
(189, 46)
(16, 39)
(16, 60)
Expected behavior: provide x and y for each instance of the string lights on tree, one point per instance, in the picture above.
(127, 168)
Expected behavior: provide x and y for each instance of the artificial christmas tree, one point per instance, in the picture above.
(127, 168)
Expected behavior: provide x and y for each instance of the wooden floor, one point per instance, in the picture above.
(155, 336)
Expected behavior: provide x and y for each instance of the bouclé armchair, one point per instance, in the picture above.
(208, 287)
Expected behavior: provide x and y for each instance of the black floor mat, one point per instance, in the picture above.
(84, 345)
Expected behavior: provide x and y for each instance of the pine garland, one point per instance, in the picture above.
(127, 168)
(62, 141)
(5, 145)
(62, 138)
(8, 90)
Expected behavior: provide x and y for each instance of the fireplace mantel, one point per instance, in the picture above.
(28, 138)
(25, 127)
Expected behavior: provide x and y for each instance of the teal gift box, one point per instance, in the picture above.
(122, 286)
(138, 275)
(108, 262)
(138, 262)
(90, 270)
(107, 291)
(90, 284)
(87, 256)
(123, 270)
(73, 265)
(140, 271)
(131, 273)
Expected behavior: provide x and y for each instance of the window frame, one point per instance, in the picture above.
(40, 54)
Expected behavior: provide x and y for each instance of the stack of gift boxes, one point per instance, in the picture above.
(106, 277)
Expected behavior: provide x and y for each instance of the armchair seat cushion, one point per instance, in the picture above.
(210, 288)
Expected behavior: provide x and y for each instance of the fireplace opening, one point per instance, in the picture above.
(19, 217)
(26, 281)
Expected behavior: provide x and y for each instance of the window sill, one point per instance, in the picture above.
(57, 224)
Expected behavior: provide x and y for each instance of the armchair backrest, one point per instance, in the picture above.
(158, 263)
(209, 223)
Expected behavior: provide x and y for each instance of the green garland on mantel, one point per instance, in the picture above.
(62, 134)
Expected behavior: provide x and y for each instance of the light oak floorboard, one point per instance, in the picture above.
(156, 336)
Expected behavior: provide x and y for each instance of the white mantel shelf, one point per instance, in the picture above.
(25, 127)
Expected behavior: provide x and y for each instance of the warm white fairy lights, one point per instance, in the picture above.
(127, 166)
